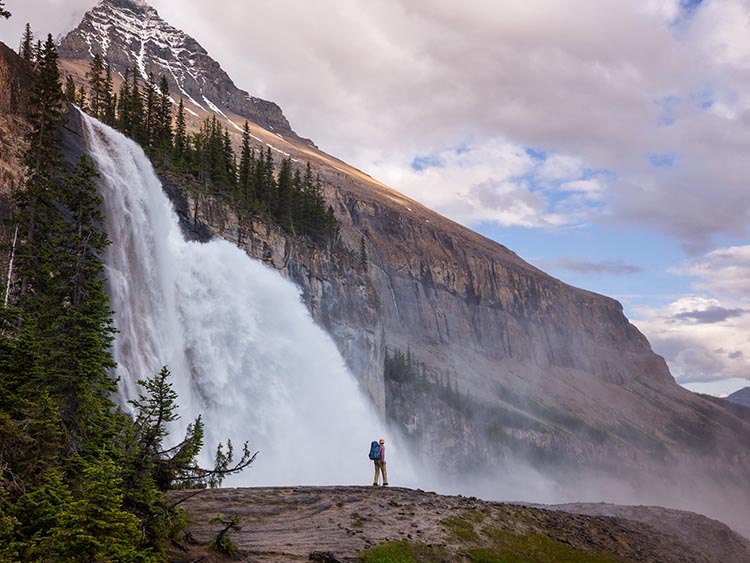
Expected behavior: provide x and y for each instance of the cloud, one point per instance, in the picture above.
(725, 271)
(702, 339)
(713, 314)
(596, 267)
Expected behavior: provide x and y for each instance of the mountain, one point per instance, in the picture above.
(741, 397)
(130, 34)
(514, 372)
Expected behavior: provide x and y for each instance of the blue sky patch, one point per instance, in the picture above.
(423, 162)
(664, 160)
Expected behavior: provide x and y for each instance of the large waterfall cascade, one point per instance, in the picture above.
(242, 348)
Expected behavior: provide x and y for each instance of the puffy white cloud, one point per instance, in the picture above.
(705, 338)
(724, 271)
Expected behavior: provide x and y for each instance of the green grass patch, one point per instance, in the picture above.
(405, 552)
(462, 527)
(532, 547)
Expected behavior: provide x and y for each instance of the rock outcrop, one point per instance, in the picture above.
(338, 523)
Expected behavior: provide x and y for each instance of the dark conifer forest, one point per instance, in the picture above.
(254, 182)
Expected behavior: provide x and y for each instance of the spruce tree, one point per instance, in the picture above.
(94, 527)
(43, 160)
(3, 12)
(135, 111)
(96, 86)
(81, 98)
(283, 200)
(151, 118)
(70, 89)
(164, 118)
(109, 99)
(27, 44)
(180, 136)
(245, 183)
(124, 121)
(363, 259)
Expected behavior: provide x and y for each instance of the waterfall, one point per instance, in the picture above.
(243, 350)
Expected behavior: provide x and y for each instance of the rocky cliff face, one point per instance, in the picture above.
(130, 33)
(15, 76)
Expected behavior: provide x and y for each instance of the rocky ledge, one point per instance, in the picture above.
(348, 524)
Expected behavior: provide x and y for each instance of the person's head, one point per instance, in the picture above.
(382, 441)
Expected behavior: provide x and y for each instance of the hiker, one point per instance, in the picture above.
(377, 455)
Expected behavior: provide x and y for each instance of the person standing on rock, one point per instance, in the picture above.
(380, 465)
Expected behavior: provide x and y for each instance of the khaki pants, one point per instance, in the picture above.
(380, 467)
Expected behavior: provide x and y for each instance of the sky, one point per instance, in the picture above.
(605, 141)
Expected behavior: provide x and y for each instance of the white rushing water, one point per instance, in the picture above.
(242, 348)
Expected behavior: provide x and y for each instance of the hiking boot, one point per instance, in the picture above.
(385, 484)
(374, 484)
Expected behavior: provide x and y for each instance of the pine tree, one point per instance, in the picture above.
(3, 12)
(27, 44)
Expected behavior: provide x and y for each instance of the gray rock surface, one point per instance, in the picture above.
(290, 523)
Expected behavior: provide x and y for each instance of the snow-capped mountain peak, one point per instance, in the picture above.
(131, 34)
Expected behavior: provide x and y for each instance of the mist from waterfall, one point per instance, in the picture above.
(243, 350)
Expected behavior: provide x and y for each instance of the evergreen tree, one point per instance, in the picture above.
(27, 44)
(3, 12)
(332, 226)
(70, 89)
(138, 130)
(124, 121)
(81, 98)
(109, 98)
(43, 160)
(161, 136)
(180, 136)
(363, 260)
(175, 467)
(94, 527)
(81, 335)
(151, 118)
(96, 86)
(283, 200)
(269, 182)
